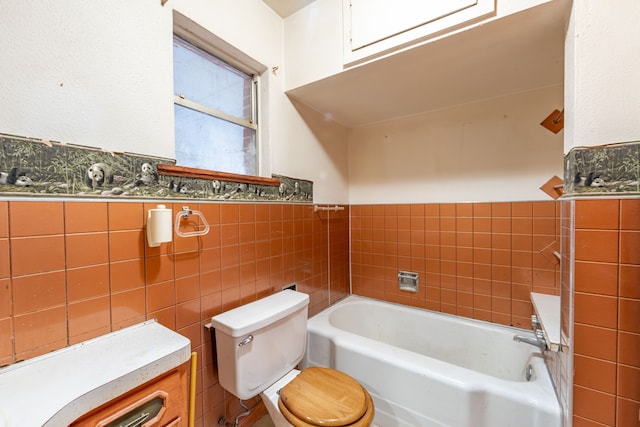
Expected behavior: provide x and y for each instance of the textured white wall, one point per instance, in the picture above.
(313, 43)
(91, 73)
(602, 69)
(494, 150)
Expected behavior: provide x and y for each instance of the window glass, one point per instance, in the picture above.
(215, 126)
(211, 143)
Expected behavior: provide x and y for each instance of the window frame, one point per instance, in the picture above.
(194, 34)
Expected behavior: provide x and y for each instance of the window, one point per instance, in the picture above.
(215, 112)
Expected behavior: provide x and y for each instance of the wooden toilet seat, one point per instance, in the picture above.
(326, 397)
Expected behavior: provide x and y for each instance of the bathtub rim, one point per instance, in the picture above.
(455, 317)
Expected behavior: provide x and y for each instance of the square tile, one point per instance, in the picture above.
(629, 349)
(501, 209)
(87, 249)
(31, 255)
(630, 214)
(594, 405)
(39, 292)
(126, 244)
(87, 282)
(630, 247)
(544, 209)
(128, 215)
(89, 318)
(85, 217)
(628, 382)
(130, 274)
(630, 281)
(596, 278)
(596, 245)
(40, 328)
(629, 315)
(6, 345)
(596, 310)
(522, 209)
(4, 219)
(595, 374)
(595, 341)
(5, 258)
(35, 218)
(599, 214)
(127, 308)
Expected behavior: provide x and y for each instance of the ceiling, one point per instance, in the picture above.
(517, 53)
(285, 8)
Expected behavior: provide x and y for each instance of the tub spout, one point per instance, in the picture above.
(537, 341)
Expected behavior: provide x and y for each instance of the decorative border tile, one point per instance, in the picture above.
(606, 169)
(33, 167)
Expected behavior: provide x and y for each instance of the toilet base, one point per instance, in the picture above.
(270, 399)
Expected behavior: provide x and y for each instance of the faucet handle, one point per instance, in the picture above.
(535, 324)
(541, 339)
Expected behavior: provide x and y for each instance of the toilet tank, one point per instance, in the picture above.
(258, 343)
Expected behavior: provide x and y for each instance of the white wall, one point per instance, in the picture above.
(326, 161)
(101, 74)
(602, 69)
(313, 43)
(90, 73)
(494, 150)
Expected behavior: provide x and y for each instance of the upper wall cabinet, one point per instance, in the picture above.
(375, 27)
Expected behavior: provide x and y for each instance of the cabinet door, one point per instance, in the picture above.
(376, 20)
(160, 402)
(378, 26)
(175, 423)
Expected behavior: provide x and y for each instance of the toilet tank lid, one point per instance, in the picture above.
(258, 314)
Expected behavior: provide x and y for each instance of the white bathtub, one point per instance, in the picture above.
(430, 369)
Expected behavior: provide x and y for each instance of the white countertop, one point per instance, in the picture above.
(58, 387)
(547, 309)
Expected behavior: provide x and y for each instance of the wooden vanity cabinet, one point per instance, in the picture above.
(161, 402)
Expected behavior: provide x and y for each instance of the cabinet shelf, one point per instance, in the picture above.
(547, 310)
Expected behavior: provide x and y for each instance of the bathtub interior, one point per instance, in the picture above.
(413, 384)
(474, 345)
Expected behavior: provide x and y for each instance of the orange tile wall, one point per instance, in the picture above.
(477, 260)
(606, 382)
(73, 270)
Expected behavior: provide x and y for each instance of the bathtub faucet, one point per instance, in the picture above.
(537, 341)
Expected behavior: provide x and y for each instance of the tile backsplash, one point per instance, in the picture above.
(478, 260)
(75, 269)
(606, 363)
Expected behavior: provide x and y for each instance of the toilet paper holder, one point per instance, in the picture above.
(186, 213)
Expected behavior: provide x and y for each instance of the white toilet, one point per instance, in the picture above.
(258, 346)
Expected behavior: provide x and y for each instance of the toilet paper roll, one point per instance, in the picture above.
(159, 226)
